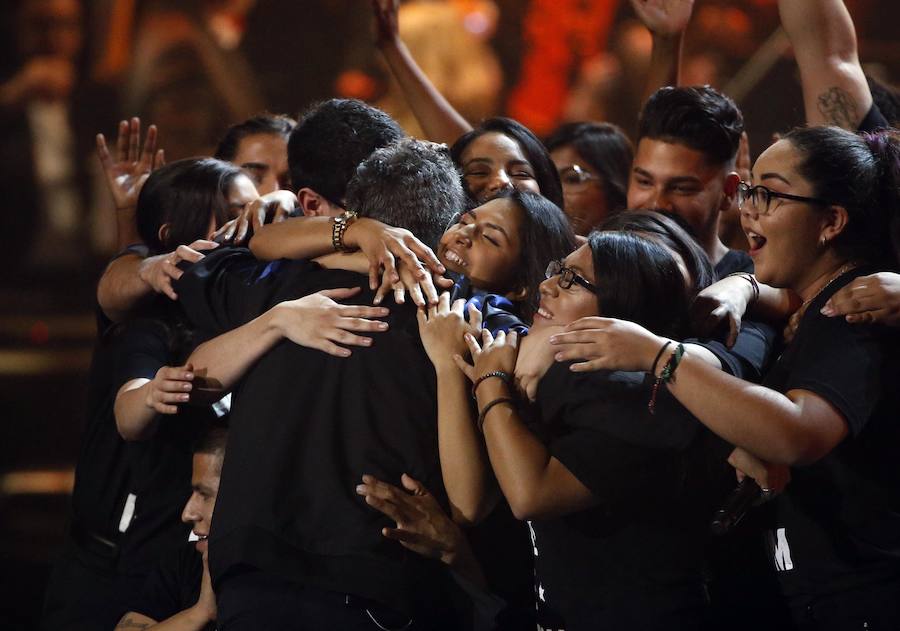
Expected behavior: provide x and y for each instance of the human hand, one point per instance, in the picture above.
(422, 287)
(273, 207)
(874, 298)
(159, 271)
(317, 321)
(169, 388)
(493, 354)
(771, 478)
(422, 526)
(664, 17)
(126, 173)
(206, 603)
(387, 27)
(383, 245)
(46, 77)
(535, 358)
(725, 301)
(442, 329)
(607, 344)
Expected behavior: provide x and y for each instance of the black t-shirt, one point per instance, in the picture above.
(161, 465)
(305, 427)
(873, 121)
(102, 473)
(173, 586)
(733, 261)
(838, 522)
(636, 558)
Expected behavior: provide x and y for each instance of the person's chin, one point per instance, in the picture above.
(202, 545)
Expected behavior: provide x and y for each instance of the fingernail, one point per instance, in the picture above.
(361, 489)
(377, 301)
(558, 357)
(189, 375)
(382, 325)
(553, 339)
(827, 310)
(367, 342)
(185, 386)
(345, 352)
(183, 397)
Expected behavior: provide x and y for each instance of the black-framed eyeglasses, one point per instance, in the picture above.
(567, 276)
(575, 178)
(761, 197)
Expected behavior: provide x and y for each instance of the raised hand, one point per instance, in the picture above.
(129, 169)
(607, 344)
(317, 321)
(664, 17)
(491, 355)
(170, 388)
(273, 207)
(442, 329)
(386, 22)
(161, 270)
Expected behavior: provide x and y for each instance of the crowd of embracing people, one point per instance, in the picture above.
(485, 381)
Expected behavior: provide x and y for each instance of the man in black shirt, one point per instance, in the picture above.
(688, 139)
(293, 544)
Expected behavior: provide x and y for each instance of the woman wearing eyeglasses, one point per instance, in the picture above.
(594, 160)
(820, 213)
(616, 507)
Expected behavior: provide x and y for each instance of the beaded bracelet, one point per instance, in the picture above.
(500, 374)
(667, 375)
(487, 408)
(747, 276)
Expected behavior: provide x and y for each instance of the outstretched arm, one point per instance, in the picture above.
(315, 321)
(439, 120)
(666, 20)
(835, 91)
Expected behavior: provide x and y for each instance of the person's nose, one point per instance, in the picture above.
(190, 514)
(500, 182)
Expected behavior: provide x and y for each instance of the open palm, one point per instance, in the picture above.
(126, 173)
(664, 17)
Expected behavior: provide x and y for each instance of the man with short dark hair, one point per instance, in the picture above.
(330, 140)
(688, 138)
(259, 146)
(292, 541)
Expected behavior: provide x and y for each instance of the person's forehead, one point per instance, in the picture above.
(263, 147)
(671, 159)
(781, 158)
(494, 145)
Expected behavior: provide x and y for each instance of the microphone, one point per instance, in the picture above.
(735, 506)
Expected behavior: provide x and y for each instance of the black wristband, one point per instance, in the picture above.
(487, 408)
(500, 374)
(658, 355)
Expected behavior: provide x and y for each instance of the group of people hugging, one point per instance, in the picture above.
(495, 382)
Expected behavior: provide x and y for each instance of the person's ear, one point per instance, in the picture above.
(163, 233)
(311, 203)
(729, 191)
(834, 223)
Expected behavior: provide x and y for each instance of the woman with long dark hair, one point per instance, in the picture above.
(821, 212)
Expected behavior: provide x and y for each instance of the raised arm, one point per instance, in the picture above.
(439, 120)
(666, 20)
(464, 466)
(835, 91)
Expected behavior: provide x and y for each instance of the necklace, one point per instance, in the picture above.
(794, 322)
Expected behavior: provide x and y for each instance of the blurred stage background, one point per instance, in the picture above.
(71, 68)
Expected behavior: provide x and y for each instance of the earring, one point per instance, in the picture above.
(823, 241)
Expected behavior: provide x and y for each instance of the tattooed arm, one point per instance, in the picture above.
(835, 91)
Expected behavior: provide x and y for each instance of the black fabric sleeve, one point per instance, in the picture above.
(749, 356)
(841, 363)
(874, 120)
(169, 587)
(225, 289)
(141, 350)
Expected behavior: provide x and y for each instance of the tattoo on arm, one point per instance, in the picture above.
(128, 623)
(838, 108)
